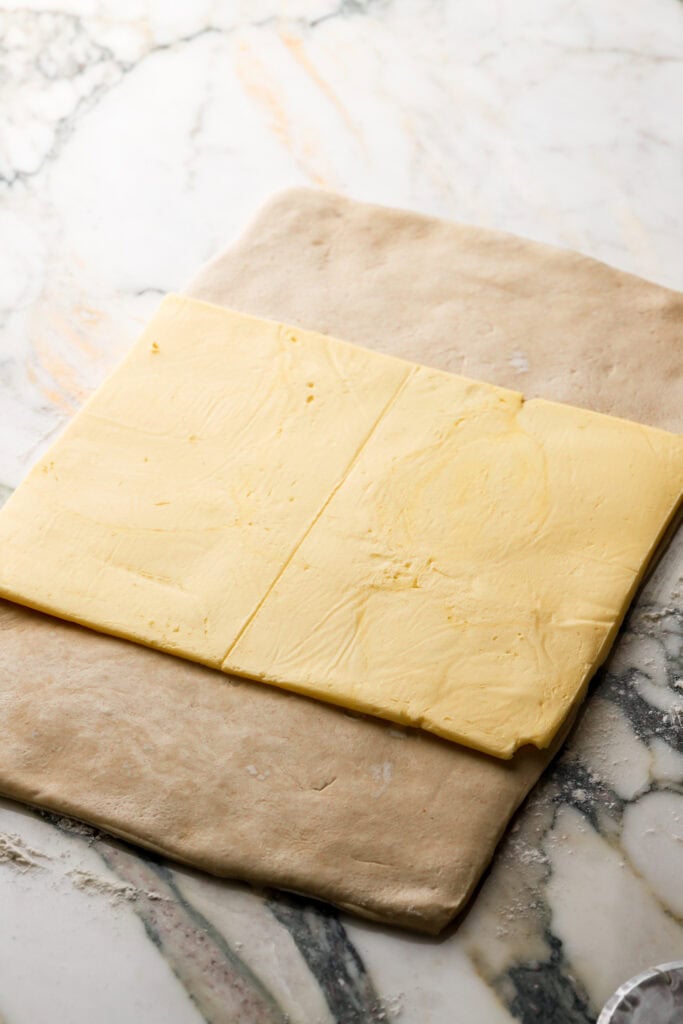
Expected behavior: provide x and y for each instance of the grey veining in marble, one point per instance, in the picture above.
(135, 138)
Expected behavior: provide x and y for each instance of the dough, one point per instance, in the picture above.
(382, 535)
(240, 783)
(483, 304)
(247, 781)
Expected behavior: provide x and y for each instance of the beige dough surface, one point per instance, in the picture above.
(247, 781)
(491, 306)
(394, 824)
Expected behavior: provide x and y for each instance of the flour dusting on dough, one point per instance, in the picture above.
(519, 362)
(382, 775)
(398, 734)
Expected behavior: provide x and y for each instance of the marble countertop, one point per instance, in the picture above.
(136, 139)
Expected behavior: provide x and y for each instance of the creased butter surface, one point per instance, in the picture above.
(374, 533)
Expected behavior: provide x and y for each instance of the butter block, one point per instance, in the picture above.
(471, 572)
(390, 538)
(167, 506)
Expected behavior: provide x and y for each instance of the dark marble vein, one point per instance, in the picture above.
(331, 957)
(544, 994)
(347, 8)
(60, 33)
(212, 973)
(648, 722)
(72, 34)
(575, 785)
(538, 989)
(543, 988)
(220, 984)
(217, 980)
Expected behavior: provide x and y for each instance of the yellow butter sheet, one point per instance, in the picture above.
(384, 536)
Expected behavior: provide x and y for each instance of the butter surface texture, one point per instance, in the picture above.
(377, 534)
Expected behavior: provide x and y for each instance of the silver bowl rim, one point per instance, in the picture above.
(651, 972)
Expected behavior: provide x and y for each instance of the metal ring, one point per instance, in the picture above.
(651, 997)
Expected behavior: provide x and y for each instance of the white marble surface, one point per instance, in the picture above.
(136, 138)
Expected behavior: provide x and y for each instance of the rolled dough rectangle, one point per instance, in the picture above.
(408, 849)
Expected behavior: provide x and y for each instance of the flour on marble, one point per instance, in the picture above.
(73, 827)
(392, 1007)
(18, 854)
(117, 892)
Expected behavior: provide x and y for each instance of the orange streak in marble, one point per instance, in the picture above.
(49, 394)
(90, 318)
(253, 77)
(255, 81)
(67, 392)
(295, 45)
